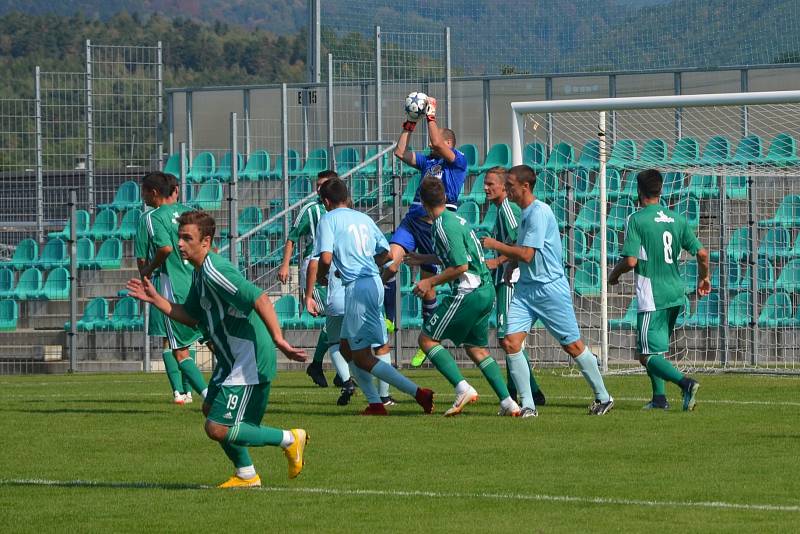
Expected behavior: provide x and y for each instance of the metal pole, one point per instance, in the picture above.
(678, 111)
(313, 55)
(39, 166)
(745, 116)
(379, 116)
(160, 110)
(549, 122)
(601, 134)
(398, 296)
(305, 97)
(73, 281)
(487, 117)
(753, 262)
(233, 201)
(331, 151)
(182, 177)
(89, 130)
(612, 117)
(448, 89)
(189, 126)
(246, 109)
(364, 118)
(171, 122)
(285, 150)
(723, 266)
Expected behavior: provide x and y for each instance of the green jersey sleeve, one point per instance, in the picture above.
(141, 240)
(633, 239)
(689, 241)
(232, 287)
(302, 225)
(192, 304)
(161, 234)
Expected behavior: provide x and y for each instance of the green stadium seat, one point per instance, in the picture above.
(9, 314)
(673, 185)
(704, 186)
(489, 219)
(95, 316)
(407, 278)
(249, 218)
(739, 244)
(129, 224)
(717, 151)
(29, 285)
(777, 311)
(689, 207)
(470, 152)
(688, 272)
(293, 165)
(736, 187)
(587, 279)
(559, 207)
(789, 279)
(105, 224)
(173, 165)
(628, 321)
(223, 171)
(740, 314)
(585, 189)
(85, 252)
(126, 197)
(209, 196)
(126, 315)
(346, 159)
(25, 255)
(54, 254)
(7, 282)
(57, 285)
(547, 186)
(580, 245)
(561, 158)
(471, 212)
(612, 246)
(83, 222)
(476, 193)
(589, 216)
(317, 161)
(630, 189)
(299, 188)
(411, 312)
(203, 167)
(258, 247)
(589, 159)
(535, 156)
(708, 313)
(787, 214)
(499, 155)
(109, 255)
(782, 151)
(654, 153)
(286, 308)
(623, 154)
(619, 213)
(257, 167)
(775, 244)
(765, 276)
(371, 169)
(750, 151)
(363, 192)
(412, 184)
(686, 152)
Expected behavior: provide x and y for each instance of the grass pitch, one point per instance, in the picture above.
(111, 453)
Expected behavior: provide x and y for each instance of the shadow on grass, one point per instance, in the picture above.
(100, 484)
(97, 411)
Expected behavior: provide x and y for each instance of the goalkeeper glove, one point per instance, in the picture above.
(409, 125)
(430, 109)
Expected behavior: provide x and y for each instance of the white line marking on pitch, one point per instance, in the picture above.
(718, 505)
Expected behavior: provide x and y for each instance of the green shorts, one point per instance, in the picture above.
(504, 294)
(333, 325)
(155, 322)
(463, 319)
(237, 404)
(654, 329)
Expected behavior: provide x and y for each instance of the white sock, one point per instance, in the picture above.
(462, 387)
(288, 439)
(177, 393)
(508, 403)
(204, 393)
(339, 362)
(246, 472)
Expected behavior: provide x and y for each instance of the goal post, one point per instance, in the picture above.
(731, 167)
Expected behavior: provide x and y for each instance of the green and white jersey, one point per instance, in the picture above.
(142, 248)
(655, 236)
(456, 244)
(505, 231)
(306, 225)
(162, 229)
(222, 300)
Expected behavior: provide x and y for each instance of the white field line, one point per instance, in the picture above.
(610, 501)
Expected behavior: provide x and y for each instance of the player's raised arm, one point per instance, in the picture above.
(437, 139)
(414, 108)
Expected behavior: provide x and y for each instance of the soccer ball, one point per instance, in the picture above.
(415, 105)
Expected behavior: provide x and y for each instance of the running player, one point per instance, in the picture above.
(242, 324)
(542, 292)
(654, 237)
(356, 246)
(463, 316)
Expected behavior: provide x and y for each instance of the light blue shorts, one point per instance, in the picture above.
(364, 324)
(551, 303)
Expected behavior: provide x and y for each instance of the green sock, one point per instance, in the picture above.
(193, 374)
(445, 364)
(661, 368)
(658, 384)
(247, 435)
(491, 371)
(322, 346)
(238, 455)
(173, 371)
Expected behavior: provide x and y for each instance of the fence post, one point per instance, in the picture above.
(189, 125)
(678, 111)
(171, 122)
(285, 150)
(487, 119)
(182, 177)
(89, 130)
(246, 111)
(379, 116)
(601, 134)
(752, 207)
(331, 149)
(73, 281)
(160, 110)
(39, 166)
(233, 198)
(448, 89)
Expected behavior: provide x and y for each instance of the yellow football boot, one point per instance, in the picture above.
(294, 452)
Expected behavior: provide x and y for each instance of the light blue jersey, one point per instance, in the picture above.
(353, 239)
(539, 230)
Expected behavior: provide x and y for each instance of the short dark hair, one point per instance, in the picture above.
(327, 173)
(449, 134)
(204, 222)
(650, 182)
(158, 181)
(431, 192)
(524, 174)
(335, 191)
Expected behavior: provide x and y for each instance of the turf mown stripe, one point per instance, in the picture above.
(718, 505)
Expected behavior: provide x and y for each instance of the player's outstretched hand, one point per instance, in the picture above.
(703, 287)
(311, 306)
(283, 274)
(430, 109)
(294, 354)
(142, 289)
